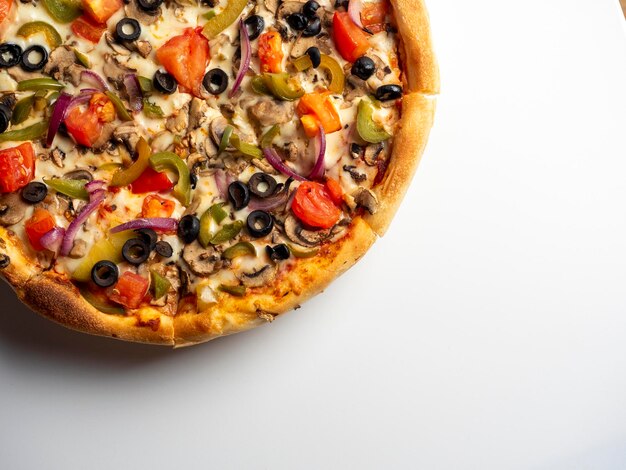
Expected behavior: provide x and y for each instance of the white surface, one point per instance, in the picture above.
(486, 331)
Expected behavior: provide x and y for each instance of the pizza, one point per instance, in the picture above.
(172, 171)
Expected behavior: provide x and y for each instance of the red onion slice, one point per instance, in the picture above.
(166, 224)
(246, 53)
(270, 203)
(95, 199)
(59, 112)
(52, 239)
(94, 186)
(274, 160)
(135, 96)
(319, 169)
(354, 10)
(222, 181)
(94, 79)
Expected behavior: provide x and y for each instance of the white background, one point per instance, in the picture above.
(487, 330)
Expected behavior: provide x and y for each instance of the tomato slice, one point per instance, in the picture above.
(186, 57)
(84, 126)
(373, 16)
(151, 180)
(85, 27)
(101, 10)
(130, 290)
(334, 190)
(37, 226)
(17, 167)
(271, 52)
(156, 206)
(319, 104)
(5, 8)
(350, 40)
(314, 206)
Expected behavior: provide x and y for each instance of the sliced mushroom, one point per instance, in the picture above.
(292, 152)
(217, 127)
(298, 234)
(79, 249)
(57, 156)
(128, 134)
(258, 278)
(115, 71)
(79, 174)
(354, 173)
(104, 140)
(62, 65)
(196, 162)
(271, 5)
(268, 112)
(113, 44)
(178, 122)
(301, 45)
(366, 199)
(227, 110)
(12, 209)
(197, 113)
(372, 152)
(287, 8)
(202, 261)
(133, 11)
(8, 100)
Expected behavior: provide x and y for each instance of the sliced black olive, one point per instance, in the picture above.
(34, 192)
(238, 194)
(215, 81)
(128, 29)
(149, 236)
(356, 151)
(5, 117)
(34, 58)
(10, 55)
(104, 273)
(135, 251)
(149, 5)
(259, 223)
(5, 261)
(164, 82)
(363, 67)
(315, 55)
(164, 249)
(262, 185)
(255, 24)
(297, 21)
(188, 228)
(313, 28)
(310, 8)
(388, 92)
(278, 252)
(193, 180)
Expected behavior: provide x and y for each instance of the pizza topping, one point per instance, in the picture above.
(227, 233)
(104, 273)
(202, 261)
(259, 223)
(314, 206)
(258, 278)
(38, 225)
(188, 228)
(49, 32)
(164, 249)
(388, 92)
(150, 6)
(350, 40)
(215, 81)
(164, 224)
(52, 240)
(262, 185)
(239, 249)
(96, 196)
(366, 199)
(167, 160)
(12, 209)
(255, 25)
(34, 58)
(368, 129)
(5, 261)
(238, 195)
(364, 67)
(271, 52)
(10, 55)
(246, 52)
(74, 188)
(164, 82)
(127, 29)
(34, 192)
(136, 251)
(5, 117)
(17, 166)
(278, 252)
(160, 285)
(130, 290)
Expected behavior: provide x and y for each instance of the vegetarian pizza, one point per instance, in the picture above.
(172, 171)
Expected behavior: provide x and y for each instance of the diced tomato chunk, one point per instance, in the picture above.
(130, 290)
(101, 10)
(5, 8)
(320, 105)
(84, 126)
(314, 206)
(17, 167)
(374, 14)
(103, 107)
(85, 27)
(37, 226)
(350, 40)
(151, 180)
(271, 52)
(334, 190)
(186, 57)
(156, 206)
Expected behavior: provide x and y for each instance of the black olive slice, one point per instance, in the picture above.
(315, 55)
(259, 223)
(128, 29)
(238, 194)
(164, 249)
(5, 117)
(10, 55)
(255, 24)
(149, 236)
(310, 8)
(104, 273)
(149, 6)
(297, 21)
(135, 251)
(388, 92)
(215, 81)
(278, 253)
(363, 67)
(164, 82)
(188, 228)
(34, 192)
(313, 28)
(262, 185)
(5, 261)
(34, 58)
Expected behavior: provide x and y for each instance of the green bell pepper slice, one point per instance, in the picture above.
(246, 149)
(205, 235)
(72, 188)
(169, 160)
(303, 253)
(99, 304)
(152, 110)
(53, 38)
(217, 212)
(335, 72)
(22, 110)
(35, 84)
(121, 110)
(224, 19)
(130, 174)
(368, 129)
(63, 11)
(280, 85)
(145, 84)
(269, 136)
(82, 58)
(225, 140)
(34, 132)
(160, 285)
(240, 249)
(228, 232)
(237, 291)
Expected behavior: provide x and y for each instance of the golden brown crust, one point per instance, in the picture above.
(307, 278)
(58, 299)
(417, 53)
(413, 129)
